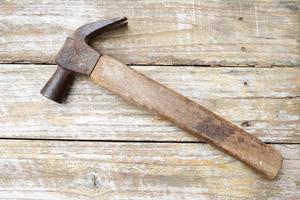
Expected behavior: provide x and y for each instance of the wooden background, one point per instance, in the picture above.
(240, 59)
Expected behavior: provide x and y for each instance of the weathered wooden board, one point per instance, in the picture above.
(189, 32)
(263, 101)
(101, 170)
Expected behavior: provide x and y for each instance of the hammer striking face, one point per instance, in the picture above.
(76, 56)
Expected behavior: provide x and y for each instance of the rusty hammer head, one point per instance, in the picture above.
(76, 56)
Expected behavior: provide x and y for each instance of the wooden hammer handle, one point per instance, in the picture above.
(187, 115)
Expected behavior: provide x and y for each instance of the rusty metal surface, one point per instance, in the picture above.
(76, 56)
(56, 88)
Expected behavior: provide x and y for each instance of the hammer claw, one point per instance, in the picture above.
(86, 31)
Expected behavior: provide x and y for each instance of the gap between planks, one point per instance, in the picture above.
(124, 141)
(163, 65)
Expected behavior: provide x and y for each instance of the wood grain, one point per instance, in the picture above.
(103, 170)
(190, 32)
(187, 114)
(263, 101)
(258, 100)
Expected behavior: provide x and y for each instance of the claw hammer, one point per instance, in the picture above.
(77, 57)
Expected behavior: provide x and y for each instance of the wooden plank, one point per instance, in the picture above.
(190, 32)
(96, 170)
(258, 100)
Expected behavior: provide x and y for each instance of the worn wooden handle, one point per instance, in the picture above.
(187, 114)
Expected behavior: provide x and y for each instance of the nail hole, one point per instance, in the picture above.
(243, 49)
(240, 18)
(245, 124)
(245, 83)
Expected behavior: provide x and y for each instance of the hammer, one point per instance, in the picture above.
(77, 57)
